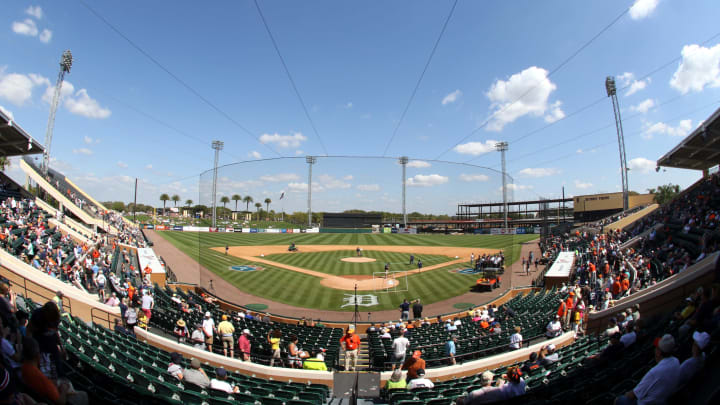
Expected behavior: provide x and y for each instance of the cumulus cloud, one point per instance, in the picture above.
(368, 187)
(89, 141)
(476, 148)
(452, 97)
(348, 177)
(122, 164)
(330, 182)
(682, 129)
(25, 27)
(34, 11)
(641, 165)
(418, 164)
(82, 104)
(274, 178)
(556, 113)
(474, 177)
(524, 93)
(627, 80)
(45, 36)
(302, 187)
(421, 180)
(17, 88)
(700, 67)
(83, 151)
(517, 187)
(539, 172)
(582, 185)
(644, 106)
(255, 154)
(284, 141)
(642, 8)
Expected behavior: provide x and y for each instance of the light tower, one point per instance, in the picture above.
(217, 145)
(612, 93)
(502, 147)
(310, 160)
(65, 64)
(404, 162)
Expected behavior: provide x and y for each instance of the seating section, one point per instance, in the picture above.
(530, 312)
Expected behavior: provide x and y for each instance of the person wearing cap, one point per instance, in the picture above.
(396, 381)
(549, 356)
(420, 381)
(661, 381)
(175, 368)
(244, 344)
(451, 348)
(399, 349)
(485, 395)
(690, 367)
(181, 331)
(225, 330)
(612, 329)
(515, 384)
(208, 327)
(554, 328)
(198, 337)
(516, 339)
(350, 342)
(196, 375)
(413, 364)
(219, 383)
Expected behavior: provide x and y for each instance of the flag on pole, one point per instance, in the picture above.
(282, 195)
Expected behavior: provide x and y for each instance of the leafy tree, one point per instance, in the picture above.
(188, 203)
(175, 198)
(267, 202)
(4, 163)
(247, 200)
(257, 207)
(236, 198)
(224, 200)
(666, 193)
(164, 198)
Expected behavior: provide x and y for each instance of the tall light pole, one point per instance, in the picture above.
(404, 162)
(502, 147)
(310, 160)
(65, 65)
(612, 93)
(217, 145)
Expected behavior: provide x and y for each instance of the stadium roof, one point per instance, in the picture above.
(698, 151)
(14, 141)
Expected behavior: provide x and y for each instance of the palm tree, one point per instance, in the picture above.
(188, 203)
(175, 199)
(164, 198)
(236, 198)
(257, 206)
(247, 200)
(267, 202)
(224, 200)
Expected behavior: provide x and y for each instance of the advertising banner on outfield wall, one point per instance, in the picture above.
(502, 231)
(272, 230)
(313, 230)
(294, 230)
(237, 230)
(161, 227)
(246, 230)
(229, 230)
(387, 230)
(253, 230)
(177, 228)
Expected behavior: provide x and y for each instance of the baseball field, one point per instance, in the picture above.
(326, 267)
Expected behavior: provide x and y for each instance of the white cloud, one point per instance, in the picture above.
(284, 141)
(82, 104)
(255, 154)
(636, 86)
(298, 152)
(524, 93)
(642, 8)
(45, 36)
(83, 151)
(274, 178)
(421, 180)
(330, 182)
(25, 27)
(17, 88)
(476, 148)
(148, 166)
(302, 187)
(452, 97)
(582, 185)
(641, 165)
(682, 129)
(517, 187)
(699, 67)
(579, 151)
(7, 112)
(67, 90)
(556, 113)
(348, 177)
(122, 164)
(89, 141)
(644, 106)
(35, 11)
(539, 172)
(368, 187)
(418, 164)
(348, 105)
(474, 177)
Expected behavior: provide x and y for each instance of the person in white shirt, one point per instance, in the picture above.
(198, 337)
(690, 367)
(399, 348)
(516, 339)
(421, 381)
(660, 382)
(554, 328)
(208, 326)
(220, 384)
(148, 303)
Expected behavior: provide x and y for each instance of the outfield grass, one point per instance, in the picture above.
(305, 291)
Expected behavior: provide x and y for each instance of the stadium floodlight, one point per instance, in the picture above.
(612, 93)
(404, 161)
(66, 61)
(310, 160)
(502, 147)
(217, 145)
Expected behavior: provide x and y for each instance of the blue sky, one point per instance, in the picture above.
(355, 65)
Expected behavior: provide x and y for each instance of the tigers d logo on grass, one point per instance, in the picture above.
(366, 300)
(246, 268)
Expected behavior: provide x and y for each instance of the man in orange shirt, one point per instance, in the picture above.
(569, 305)
(616, 288)
(37, 382)
(413, 364)
(351, 343)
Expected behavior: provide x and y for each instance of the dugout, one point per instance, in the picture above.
(348, 220)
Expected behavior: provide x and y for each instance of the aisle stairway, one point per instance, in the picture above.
(363, 361)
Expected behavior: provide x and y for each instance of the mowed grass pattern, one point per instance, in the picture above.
(305, 291)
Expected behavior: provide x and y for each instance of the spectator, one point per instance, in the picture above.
(612, 329)
(515, 384)
(315, 363)
(198, 337)
(43, 328)
(131, 319)
(554, 328)
(485, 395)
(413, 364)
(219, 383)
(208, 328)
(121, 329)
(630, 337)
(142, 320)
(532, 363)
(399, 349)
(244, 344)
(148, 303)
(196, 375)
(451, 348)
(175, 368)
(59, 393)
(11, 340)
(181, 331)
(404, 307)
(549, 357)
(690, 367)
(274, 339)
(226, 330)
(350, 342)
(516, 339)
(661, 381)
(420, 381)
(417, 309)
(396, 381)
(113, 301)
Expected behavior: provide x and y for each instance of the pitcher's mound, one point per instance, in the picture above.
(357, 259)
